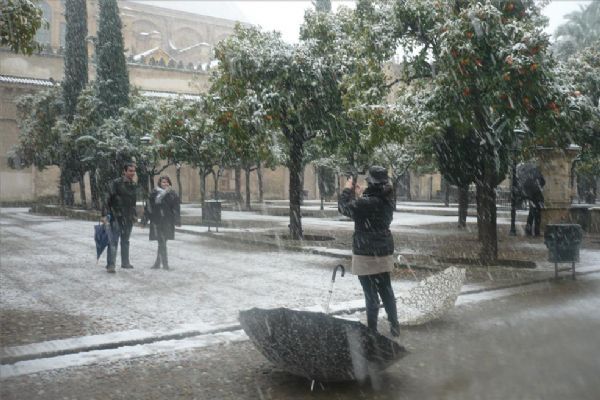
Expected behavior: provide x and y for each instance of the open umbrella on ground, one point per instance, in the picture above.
(101, 239)
(319, 346)
(431, 298)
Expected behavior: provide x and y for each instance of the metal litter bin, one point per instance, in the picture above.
(563, 241)
(211, 213)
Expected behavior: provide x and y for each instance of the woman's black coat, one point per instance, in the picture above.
(164, 216)
(372, 214)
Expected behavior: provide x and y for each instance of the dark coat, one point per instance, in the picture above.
(163, 216)
(120, 199)
(372, 214)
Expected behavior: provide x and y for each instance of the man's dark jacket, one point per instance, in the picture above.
(372, 214)
(121, 199)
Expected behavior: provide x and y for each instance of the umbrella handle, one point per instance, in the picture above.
(340, 266)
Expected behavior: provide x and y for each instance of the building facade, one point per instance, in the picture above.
(169, 53)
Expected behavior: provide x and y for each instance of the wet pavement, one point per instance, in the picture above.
(540, 344)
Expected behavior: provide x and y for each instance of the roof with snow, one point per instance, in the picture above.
(27, 81)
(146, 53)
(172, 95)
(201, 44)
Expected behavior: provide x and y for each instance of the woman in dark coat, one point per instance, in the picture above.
(164, 214)
(372, 242)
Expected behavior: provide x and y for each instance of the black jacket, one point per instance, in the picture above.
(372, 214)
(163, 216)
(120, 199)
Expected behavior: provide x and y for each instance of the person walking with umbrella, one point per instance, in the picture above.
(163, 211)
(119, 211)
(372, 242)
(531, 183)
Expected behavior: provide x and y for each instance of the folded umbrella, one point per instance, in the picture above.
(101, 239)
(530, 181)
(319, 346)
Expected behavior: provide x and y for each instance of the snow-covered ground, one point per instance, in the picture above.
(49, 264)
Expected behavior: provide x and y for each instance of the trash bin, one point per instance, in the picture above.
(211, 213)
(563, 241)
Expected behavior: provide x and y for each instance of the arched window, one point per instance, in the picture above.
(43, 34)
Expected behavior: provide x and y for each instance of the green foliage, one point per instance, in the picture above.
(240, 117)
(356, 43)
(187, 134)
(19, 22)
(39, 144)
(75, 56)
(112, 77)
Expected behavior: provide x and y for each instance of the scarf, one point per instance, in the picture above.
(161, 194)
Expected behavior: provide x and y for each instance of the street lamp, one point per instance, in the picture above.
(513, 184)
(146, 140)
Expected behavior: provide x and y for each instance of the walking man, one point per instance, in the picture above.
(119, 211)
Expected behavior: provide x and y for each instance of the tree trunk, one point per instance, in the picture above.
(295, 166)
(395, 182)
(178, 176)
(248, 204)
(238, 186)
(486, 214)
(94, 190)
(259, 175)
(67, 196)
(408, 191)
(216, 181)
(82, 189)
(302, 184)
(202, 186)
(337, 184)
(446, 193)
(463, 206)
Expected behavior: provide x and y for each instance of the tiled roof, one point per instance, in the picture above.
(27, 81)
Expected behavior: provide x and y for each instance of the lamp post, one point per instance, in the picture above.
(513, 184)
(146, 140)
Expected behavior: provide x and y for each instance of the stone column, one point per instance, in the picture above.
(556, 164)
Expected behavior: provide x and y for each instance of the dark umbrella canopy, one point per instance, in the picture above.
(101, 239)
(530, 181)
(319, 346)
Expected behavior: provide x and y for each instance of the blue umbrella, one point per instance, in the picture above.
(101, 239)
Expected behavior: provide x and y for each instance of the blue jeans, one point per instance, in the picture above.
(120, 228)
(375, 286)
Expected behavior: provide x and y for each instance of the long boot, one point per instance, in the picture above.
(163, 255)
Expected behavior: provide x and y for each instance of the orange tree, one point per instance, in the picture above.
(358, 43)
(184, 132)
(490, 69)
(241, 118)
(296, 90)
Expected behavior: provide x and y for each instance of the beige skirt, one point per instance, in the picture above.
(370, 265)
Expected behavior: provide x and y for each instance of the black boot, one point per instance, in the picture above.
(395, 329)
(156, 263)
